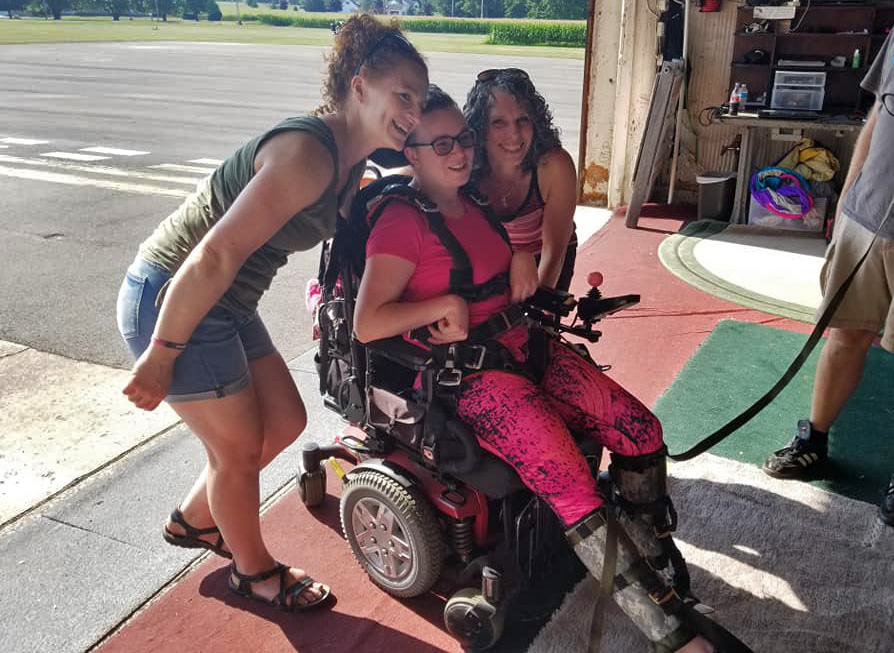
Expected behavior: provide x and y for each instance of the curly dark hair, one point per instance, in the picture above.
(362, 46)
(477, 113)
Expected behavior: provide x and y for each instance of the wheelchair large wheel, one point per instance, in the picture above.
(393, 533)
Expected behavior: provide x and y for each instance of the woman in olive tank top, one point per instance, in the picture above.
(188, 304)
(522, 169)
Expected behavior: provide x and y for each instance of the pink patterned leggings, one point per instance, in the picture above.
(529, 426)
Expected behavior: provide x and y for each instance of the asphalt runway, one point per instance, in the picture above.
(99, 142)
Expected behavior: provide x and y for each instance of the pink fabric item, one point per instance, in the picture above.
(402, 231)
(530, 426)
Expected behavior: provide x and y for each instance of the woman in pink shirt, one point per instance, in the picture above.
(525, 422)
(522, 169)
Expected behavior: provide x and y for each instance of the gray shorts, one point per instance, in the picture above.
(867, 303)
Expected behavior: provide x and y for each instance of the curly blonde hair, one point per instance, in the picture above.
(362, 47)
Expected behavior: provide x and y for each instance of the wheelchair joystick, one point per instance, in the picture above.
(594, 280)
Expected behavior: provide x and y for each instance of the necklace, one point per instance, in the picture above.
(504, 201)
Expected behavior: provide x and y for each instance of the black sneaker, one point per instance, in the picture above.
(886, 509)
(805, 454)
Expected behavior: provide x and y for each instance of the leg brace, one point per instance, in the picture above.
(640, 484)
(638, 590)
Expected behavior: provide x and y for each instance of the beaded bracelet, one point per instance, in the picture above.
(167, 343)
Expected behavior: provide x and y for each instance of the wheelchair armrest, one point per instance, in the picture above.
(552, 300)
(400, 351)
(591, 310)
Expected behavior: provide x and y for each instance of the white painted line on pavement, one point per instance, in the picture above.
(75, 180)
(206, 162)
(99, 170)
(21, 141)
(74, 156)
(176, 167)
(3, 147)
(112, 150)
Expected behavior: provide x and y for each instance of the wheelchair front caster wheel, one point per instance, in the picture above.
(472, 620)
(312, 487)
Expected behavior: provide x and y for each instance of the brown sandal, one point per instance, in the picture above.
(288, 594)
(191, 538)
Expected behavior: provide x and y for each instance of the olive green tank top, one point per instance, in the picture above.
(180, 232)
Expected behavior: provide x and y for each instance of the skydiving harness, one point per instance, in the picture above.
(481, 350)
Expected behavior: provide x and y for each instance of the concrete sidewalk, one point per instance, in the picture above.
(87, 552)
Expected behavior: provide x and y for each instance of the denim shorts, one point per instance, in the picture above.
(215, 361)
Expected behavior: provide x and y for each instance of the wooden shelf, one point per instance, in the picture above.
(818, 37)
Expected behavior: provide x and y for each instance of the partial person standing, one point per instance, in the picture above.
(188, 304)
(521, 167)
(866, 199)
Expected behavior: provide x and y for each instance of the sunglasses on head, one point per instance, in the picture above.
(443, 145)
(397, 39)
(492, 73)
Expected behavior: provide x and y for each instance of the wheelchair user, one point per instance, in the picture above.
(525, 421)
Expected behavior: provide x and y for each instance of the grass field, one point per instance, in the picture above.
(74, 29)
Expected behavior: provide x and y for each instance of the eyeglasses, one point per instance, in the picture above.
(888, 102)
(443, 145)
(400, 43)
(492, 73)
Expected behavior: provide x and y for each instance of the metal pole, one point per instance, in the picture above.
(680, 104)
(238, 17)
(482, 8)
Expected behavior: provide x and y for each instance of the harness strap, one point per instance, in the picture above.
(461, 274)
(498, 323)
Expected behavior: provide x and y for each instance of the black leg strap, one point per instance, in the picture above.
(585, 527)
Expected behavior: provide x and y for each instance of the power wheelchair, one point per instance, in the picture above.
(423, 500)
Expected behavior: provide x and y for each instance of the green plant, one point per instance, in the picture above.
(531, 33)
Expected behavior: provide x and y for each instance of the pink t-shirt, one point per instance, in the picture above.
(403, 231)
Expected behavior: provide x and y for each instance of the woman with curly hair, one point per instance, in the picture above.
(188, 305)
(521, 167)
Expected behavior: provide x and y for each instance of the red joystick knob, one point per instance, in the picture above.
(595, 279)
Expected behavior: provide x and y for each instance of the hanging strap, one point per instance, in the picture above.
(740, 420)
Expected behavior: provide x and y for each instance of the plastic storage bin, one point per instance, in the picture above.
(814, 221)
(799, 78)
(802, 98)
(716, 191)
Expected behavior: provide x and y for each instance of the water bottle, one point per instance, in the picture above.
(734, 100)
(857, 61)
(743, 95)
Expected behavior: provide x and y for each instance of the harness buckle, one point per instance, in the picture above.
(450, 377)
(507, 323)
(479, 351)
(660, 597)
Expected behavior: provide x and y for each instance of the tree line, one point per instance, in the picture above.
(115, 8)
(548, 9)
